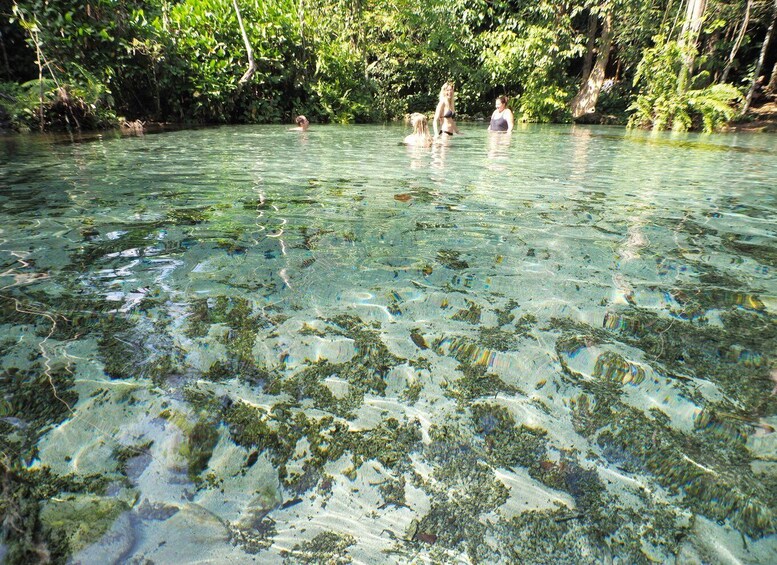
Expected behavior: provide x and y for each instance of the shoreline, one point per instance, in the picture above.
(757, 121)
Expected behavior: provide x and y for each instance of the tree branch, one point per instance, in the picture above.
(251, 63)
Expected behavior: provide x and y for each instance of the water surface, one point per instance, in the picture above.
(244, 343)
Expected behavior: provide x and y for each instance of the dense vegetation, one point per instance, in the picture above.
(660, 63)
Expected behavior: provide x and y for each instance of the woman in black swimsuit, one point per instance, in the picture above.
(502, 118)
(445, 112)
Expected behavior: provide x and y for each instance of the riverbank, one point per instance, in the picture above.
(761, 119)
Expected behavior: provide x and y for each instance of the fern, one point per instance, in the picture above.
(663, 104)
(715, 104)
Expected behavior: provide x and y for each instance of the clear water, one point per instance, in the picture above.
(243, 344)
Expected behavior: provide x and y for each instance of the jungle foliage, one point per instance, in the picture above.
(73, 65)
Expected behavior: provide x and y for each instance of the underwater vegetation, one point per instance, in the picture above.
(466, 426)
(48, 517)
(326, 547)
(477, 382)
(31, 401)
(711, 467)
(450, 259)
(465, 456)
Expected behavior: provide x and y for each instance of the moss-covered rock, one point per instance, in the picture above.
(198, 448)
(326, 547)
(25, 494)
(80, 518)
(505, 443)
(477, 382)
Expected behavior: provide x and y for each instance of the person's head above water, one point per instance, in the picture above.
(446, 92)
(502, 118)
(419, 123)
(420, 135)
(302, 122)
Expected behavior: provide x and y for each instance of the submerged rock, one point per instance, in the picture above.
(81, 518)
(113, 547)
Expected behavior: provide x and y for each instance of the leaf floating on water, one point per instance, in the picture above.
(418, 339)
(425, 537)
(290, 503)
(450, 259)
(405, 197)
(412, 530)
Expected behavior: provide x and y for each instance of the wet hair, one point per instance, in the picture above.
(299, 120)
(420, 129)
(502, 99)
(419, 123)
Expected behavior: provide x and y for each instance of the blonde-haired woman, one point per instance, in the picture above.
(445, 112)
(420, 135)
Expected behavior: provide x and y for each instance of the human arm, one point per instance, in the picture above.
(509, 117)
(437, 117)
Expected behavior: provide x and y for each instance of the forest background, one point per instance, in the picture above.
(679, 64)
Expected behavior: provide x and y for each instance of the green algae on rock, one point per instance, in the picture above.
(28, 535)
(477, 382)
(449, 258)
(471, 314)
(326, 547)
(200, 441)
(81, 519)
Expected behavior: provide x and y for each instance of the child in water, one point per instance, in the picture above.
(302, 124)
(420, 135)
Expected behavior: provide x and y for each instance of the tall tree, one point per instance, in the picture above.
(772, 86)
(738, 42)
(251, 63)
(761, 58)
(689, 35)
(585, 101)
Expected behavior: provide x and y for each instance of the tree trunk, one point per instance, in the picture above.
(738, 43)
(772, 87)
(760, 63)
(585, 100)
(251, 63)
(5, 57)
(593, 24)
(665, 17)
(165, 16)
(302, 21)
(40, 82)
(694, 17)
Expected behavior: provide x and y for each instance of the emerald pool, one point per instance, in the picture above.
(244, 344)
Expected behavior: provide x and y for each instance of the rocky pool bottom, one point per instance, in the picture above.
(163, 438)
(556, 349)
